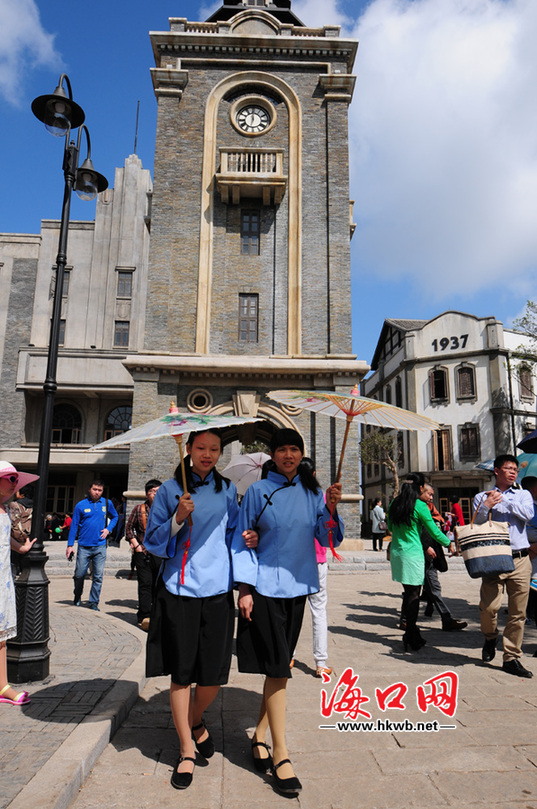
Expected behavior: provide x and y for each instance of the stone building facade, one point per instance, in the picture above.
(102, 322)
(243, 286)
(249, 265)
(467, 374)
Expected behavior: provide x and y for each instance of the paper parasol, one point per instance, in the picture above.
(352, 406)
(174, 425)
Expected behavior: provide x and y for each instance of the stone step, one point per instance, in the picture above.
(118, 561)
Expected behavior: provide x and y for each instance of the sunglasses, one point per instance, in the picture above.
(11, 478)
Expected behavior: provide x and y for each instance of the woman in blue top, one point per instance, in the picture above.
(287, 511)
(191, 627)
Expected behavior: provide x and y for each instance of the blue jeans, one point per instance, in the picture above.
(85, 555)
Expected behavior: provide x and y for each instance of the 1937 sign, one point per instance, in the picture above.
(452, 342)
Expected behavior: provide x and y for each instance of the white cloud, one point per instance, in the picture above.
(23, 43)
(314, 13)
(444, 142)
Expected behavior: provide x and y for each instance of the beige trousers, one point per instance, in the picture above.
(517, 585)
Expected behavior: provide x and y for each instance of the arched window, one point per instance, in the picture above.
(398, 392)
(66, 424)
(526, 382)
(469, 445)
(465, 377)
(119, 421)
(438, 384)
(388, 394)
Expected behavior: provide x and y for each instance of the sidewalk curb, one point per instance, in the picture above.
(56, 784)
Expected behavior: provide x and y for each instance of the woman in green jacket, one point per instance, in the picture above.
(407, 516)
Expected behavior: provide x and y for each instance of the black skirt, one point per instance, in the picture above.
(190, 638)
(266, 644)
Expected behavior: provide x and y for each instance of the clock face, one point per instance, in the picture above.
(253, 119)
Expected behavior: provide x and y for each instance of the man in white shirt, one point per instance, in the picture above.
(509, 503)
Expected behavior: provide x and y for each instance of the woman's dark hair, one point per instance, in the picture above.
(402, 508)
(286, 436)
(218, 478)
(306, 470)
(268, 466)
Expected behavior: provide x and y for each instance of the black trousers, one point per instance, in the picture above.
(147, 568)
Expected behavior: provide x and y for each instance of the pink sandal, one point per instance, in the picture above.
(21, 699)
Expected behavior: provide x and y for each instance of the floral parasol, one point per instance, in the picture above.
(174, 425)
(351, 406)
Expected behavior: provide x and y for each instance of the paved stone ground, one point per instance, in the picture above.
(90, 651)
(488, 759)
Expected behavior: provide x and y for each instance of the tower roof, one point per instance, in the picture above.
(281, 9)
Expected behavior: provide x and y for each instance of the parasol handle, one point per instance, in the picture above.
(179, 442)
(347, 427)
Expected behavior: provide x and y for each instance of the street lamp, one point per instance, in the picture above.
(28, 654)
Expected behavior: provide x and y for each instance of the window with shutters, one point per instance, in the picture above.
(469, 446)
(465, 377)
(442, 449)
(438, 385)
(525, 377)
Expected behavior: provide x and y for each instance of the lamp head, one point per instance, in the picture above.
(89, 182)
(58, 111)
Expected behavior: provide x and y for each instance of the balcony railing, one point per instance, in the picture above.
(251, 173)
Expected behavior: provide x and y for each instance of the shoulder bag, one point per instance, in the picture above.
(485, 548)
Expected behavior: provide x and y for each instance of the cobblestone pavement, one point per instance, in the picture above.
(485, 756)
(90, 652)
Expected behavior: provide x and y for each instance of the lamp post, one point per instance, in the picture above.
(28, 653)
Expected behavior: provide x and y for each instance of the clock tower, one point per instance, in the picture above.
(249, 265)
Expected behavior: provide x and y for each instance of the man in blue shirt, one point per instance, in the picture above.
(511, 504)
(90, 527)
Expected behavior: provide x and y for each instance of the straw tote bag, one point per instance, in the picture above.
(485, 548)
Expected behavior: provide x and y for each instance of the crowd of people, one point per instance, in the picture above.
(417, 539)
(193, 545)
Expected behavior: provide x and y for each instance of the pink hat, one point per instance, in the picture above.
(7, 469)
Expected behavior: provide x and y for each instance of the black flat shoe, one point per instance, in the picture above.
(206, 747)
(182, 780)
(287, 786)
(262, 765)
(414, 641)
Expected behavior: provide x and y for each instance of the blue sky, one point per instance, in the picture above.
(443, 137)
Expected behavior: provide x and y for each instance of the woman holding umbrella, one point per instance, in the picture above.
(287, 511)
(191, 627)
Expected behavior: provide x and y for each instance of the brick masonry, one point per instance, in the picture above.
(174, 262)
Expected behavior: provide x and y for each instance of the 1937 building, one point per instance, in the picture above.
(468, 374)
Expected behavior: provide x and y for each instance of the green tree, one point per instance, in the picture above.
(527, 325)
(381, 447)
(525, 355)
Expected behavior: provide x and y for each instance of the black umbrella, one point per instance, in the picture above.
(529, 443)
